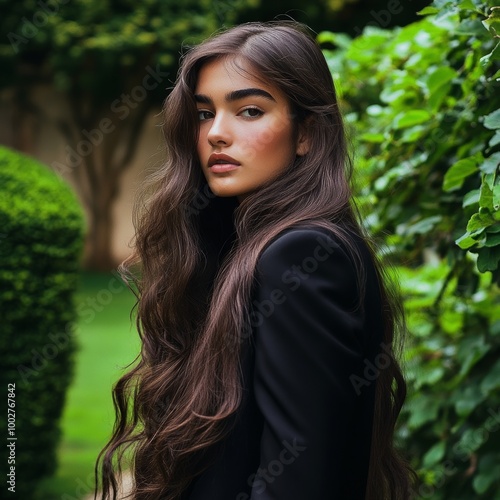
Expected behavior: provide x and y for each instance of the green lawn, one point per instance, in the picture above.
(107, 343)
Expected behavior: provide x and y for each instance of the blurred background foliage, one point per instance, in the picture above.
(423, 105)
(421, 98)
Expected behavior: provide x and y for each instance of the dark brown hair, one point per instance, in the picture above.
(196, 256)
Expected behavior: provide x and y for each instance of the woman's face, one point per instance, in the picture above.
(246, 134)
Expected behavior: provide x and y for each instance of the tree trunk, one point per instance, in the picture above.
(24, 121)
(99, 161)
(98, 254)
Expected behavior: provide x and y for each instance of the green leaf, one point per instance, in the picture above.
(489, 465)
(495, 139)
(469, 442)
(440, 77)
(488, 259)
(471, 198)
(492, 121)
(489, 179)
(374, 138)
(390, 95)
(481, 483)
(495, 328)
(434, 455)
(468, 240)
(451, 322)
(493, 55)
(427, 11)
(492, 19)
(339, 39)
(429, 374)
(490, 164)
(467, 5)
(493, 229)
(375, 110)
(457, 173)
(479, 221)
(492, 239)
(486, 198)
(468, 401)
(492, 380)
(423, 409)
(410, 118)
(439, 95)
(412, 134)
(424, 226)
(469, 352)
(496, 196)
(446, 18)
(471, 27)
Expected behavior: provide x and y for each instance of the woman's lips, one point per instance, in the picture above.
(219, 168)
(220, 163)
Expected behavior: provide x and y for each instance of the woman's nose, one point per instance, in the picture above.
(219, 132)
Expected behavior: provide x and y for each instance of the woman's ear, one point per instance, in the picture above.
(303, 142)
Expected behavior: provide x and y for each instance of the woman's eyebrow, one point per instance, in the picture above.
(236, 94)
(240, 94)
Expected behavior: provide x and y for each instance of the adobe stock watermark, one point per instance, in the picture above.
(222, 8)
(383, 17)
(479, 436)
(200, 201)
(84, 488)
(292, 278)
(464, 449)
(95, 304)
(59, 341)
(268, 474)
(372, 370)
(121, 108)
(31, 27)
(441, 475)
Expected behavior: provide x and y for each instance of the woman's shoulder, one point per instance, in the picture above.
(321, 258)
(314, 242)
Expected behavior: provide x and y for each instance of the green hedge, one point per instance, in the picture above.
(41, 239)
(424, 104)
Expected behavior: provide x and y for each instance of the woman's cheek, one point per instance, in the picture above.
(257, 141)
(265, 137)
(249, 151)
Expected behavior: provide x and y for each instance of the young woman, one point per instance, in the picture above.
(267, 368)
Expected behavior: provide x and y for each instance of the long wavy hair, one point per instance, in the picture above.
(193, 268)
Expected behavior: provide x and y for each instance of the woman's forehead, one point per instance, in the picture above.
(236, 68)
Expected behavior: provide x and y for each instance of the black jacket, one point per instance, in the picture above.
(309, 370)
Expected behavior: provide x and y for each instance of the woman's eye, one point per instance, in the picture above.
(204, 115)
(251, 112)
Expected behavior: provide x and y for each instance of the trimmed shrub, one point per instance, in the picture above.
(41, 239)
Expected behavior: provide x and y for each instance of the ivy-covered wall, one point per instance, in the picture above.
(423, 105)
